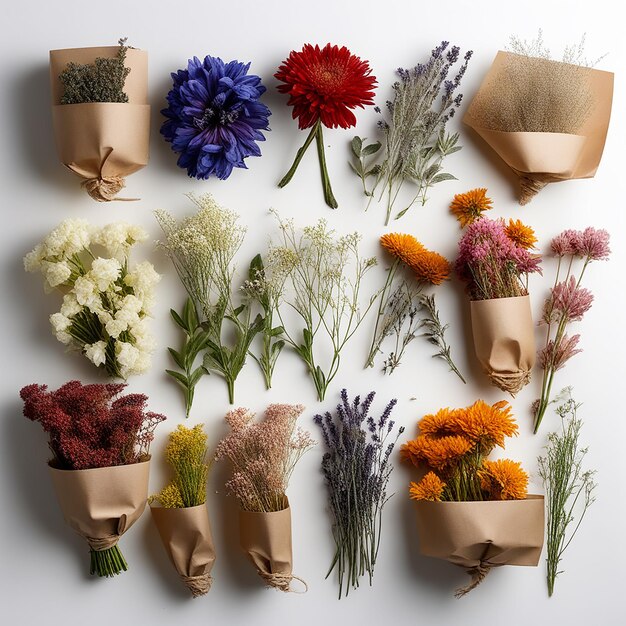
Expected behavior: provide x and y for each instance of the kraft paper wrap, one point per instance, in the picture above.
(187, 539)
(102, 142)
(102, 504)
(542, 158)
(266, 540)
(504, 340)
(482, 535)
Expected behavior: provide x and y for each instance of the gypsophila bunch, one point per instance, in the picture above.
(323, 285)
(495, 259)
(570, 489)
(202, 248)
(452, 446)
(91, 426)
(185, 453)
(100, 81)
(263, 455)
(568, 302)
(415, 138)
(106, 302)
(265, 286)
(357, 469)
(413, 268)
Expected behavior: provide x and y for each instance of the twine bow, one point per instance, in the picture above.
(511, 383)
(478, 574)
(97, 544)
(282, 581)
(198, 585)
(105, 188)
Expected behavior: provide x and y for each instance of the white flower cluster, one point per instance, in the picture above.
(106, 303)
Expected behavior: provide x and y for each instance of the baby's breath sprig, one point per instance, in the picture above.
(569, 488)
(325, 273)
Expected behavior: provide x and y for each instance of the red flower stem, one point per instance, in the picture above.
(292, 170)
(328, 192)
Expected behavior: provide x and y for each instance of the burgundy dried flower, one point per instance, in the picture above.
(90, 425)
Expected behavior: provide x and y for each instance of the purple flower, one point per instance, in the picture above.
(214, 117)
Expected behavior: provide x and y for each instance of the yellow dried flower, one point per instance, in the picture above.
(520, 234)
(503, 480)
(469, 206)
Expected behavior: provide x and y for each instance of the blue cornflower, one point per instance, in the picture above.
(214, 117)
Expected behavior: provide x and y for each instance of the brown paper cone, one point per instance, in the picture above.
(187, 539)
(266, 540)
(481, 535)
(102, 504)
(542, 158)
(504, 340)
(102, 142)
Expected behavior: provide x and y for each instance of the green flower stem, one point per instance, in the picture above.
(328, 192)
(107, 563)
(292, 170)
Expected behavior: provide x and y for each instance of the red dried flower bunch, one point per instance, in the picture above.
(324, 85)
(92, 425)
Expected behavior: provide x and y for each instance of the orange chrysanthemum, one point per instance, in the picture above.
(503, 480)
(431, 267)
(429, 488)
(468, 207)
(405, 248)
(440, 424)
(520, 234)
(436, 453)
(487, 425)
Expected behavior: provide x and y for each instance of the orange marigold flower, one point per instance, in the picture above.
(431, 267)
(468, 207)
(503, 480)
(403, 247)
(436, 453)
(442, 423)
(429, 488)
(487, 425)
(520, 234)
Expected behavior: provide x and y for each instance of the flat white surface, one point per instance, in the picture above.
(44, 566)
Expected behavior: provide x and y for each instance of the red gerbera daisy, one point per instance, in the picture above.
(324, 85)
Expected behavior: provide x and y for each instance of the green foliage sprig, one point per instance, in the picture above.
(569, 488)
(361, 164)
(100, 81)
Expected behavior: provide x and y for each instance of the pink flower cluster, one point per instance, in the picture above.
(263, 455)
(491, 263)
(91, 425)
(568, 302)
(591, 244)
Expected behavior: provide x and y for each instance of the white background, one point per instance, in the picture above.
(44, 566)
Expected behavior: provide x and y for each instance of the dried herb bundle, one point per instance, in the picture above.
(100, 81)
(535, 93)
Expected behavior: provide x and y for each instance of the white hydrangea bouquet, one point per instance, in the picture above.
(106, 303)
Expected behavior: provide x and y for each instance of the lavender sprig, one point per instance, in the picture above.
(424, 100)
(357, 470)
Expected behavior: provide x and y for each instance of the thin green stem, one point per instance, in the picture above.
(328, 192)
(301, 151)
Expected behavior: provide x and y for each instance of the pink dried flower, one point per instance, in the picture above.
(566, 243)
(263, 455)
(554, 356)
(491, 264)
(593, 244)
(570, 301)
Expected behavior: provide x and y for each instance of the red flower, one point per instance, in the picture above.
(325, 84)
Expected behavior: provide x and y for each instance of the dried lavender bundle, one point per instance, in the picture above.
(416, 141)
(357, 470)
